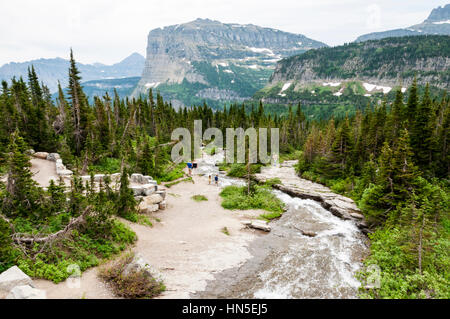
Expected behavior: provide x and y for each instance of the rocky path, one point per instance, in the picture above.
(43, 171)
(186, 244)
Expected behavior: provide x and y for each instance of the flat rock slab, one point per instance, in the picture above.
(257, 224)
(13, 277)
(26, 292)
(41, 155)
(340, 206)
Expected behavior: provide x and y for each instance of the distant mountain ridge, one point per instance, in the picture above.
(438, 22)
(210, 60)
(50, 71)
(389, 61)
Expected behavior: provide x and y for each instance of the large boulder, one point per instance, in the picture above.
(99, 177)
(53, 157)
(115, 177)
(153, 199)
(136, 178)
(138, 190)
(65, 172)
(148, 180)
(41, 155)
(161, 193)
(149, 189)
(146, 209)
(26, 292)
(61, 169)
(162, 205)
(13, 277)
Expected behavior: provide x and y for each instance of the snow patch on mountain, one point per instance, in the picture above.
(370, 87)
(331, 83)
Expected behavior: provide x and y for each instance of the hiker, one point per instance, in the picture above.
(216, 179)
(209, 179)
(189, 165)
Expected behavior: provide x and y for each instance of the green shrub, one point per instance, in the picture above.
(240, 170)
(173, 174)
(399, 278)
(82, 249)
(106, 165)
(134, 285)
(272, 181)
(235, 197)
(8, 253)
(199, 198)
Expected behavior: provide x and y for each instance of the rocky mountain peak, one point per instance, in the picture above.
(439, 14)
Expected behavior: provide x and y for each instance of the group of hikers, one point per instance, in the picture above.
(193, 165)
(216, 179)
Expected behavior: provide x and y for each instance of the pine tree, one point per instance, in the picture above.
(78, 105)
(404, 170)
(411, 106)
(125, 204)
(396, 117)
(343, 146)
(145, 163)
(422, 132)
(22, 197)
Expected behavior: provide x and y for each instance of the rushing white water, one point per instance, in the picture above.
(321, 264)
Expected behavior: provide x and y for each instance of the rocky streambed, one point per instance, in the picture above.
(313, 251)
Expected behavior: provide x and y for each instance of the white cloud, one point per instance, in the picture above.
(107, 31)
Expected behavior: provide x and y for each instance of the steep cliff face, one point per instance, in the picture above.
(216, 56)
(438, 22)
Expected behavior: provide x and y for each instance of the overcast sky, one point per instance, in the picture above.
(107, 31)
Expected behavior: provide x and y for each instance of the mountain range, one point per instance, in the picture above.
(438, 22)
(209, 61)
(339, 80)
(50, 71)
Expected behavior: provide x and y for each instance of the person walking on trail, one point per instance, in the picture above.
(216, 179)
(189, 165)
(209, 179)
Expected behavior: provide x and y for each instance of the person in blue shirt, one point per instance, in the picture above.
(216, 179)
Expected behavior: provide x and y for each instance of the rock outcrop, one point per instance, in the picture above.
(13, 277)
(26, 292)
(15, 284)
(438, 22)
(340, 206)
(257, 224)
